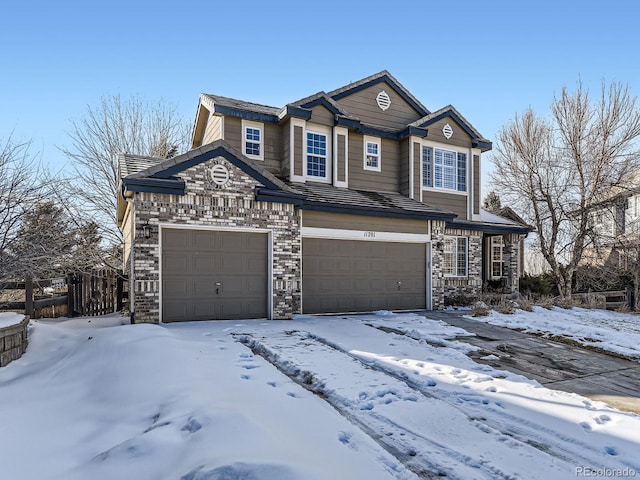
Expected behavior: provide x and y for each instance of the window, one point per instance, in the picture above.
(444, 169)
(252, 140)
(497, 247)
(317, 155)
(454, 258)
(371, 154)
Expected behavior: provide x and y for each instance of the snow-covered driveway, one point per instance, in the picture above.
(375, 396)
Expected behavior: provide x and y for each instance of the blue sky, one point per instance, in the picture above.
(489, 59)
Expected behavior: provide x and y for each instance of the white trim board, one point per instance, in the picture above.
(365, 235)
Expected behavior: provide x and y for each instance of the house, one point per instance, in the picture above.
(614, 223)
(354, 200)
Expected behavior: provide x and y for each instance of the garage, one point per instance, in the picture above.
(214, 275)
(360, 276)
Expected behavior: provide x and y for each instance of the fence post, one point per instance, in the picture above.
(629, 295)
(28, 296)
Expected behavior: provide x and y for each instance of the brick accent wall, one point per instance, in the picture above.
(13, 341)
(445, 288)
(208, 204)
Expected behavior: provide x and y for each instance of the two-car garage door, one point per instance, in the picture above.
(359, 276)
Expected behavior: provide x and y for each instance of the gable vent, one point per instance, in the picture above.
(219, 174)
(383, 100)
(447, 131)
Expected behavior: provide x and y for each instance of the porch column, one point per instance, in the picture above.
(511, 260)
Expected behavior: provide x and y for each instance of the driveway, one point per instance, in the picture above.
(554, 364)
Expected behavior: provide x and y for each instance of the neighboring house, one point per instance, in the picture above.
(615, 230)
(354, 200)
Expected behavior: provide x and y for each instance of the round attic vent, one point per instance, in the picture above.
(383, 100)
(447, 131)
(219, 174)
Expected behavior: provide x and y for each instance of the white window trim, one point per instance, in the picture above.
(320, 130)
(258, 126)
(375, 140)
(455, 259)
(492, 243)
(449, 148)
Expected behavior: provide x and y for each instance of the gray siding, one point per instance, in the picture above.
(272, 148)
(298, 157)
(404, 167)
(233, 132)
(285, 136)
(342, 221)
(386, 180)
(460, 138)
(476, 184)
(341, 174)
(417, 163)
(363, 105)
(447, 201)
(322, 116)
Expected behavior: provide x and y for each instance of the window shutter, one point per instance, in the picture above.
(427, 167)
(462, 172)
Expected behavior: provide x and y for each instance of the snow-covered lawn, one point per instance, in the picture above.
(348, 397)
(610, 331)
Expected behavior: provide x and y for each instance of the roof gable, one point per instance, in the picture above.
(478, 141)
(162, 177)
(375, 80)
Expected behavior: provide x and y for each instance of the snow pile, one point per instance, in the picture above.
(374, 396)
(9, 319)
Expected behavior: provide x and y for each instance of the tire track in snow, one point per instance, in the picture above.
(521, 429)
(388, 410)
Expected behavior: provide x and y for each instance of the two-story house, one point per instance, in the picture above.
(355, 200)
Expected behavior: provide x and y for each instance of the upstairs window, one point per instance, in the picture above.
(317, 155)
(444, 169)
(371, 154)
(454, 257)
(252, 140)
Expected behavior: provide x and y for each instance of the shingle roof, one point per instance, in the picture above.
(129, 164)
(394, 204)
(241, 104)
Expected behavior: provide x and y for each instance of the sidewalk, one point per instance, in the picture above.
(554, 364)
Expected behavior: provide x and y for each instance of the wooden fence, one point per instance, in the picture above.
(98, 292)
(611, 300)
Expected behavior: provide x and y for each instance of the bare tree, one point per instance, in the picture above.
(558, 171)
(117, 126)
(20, 187)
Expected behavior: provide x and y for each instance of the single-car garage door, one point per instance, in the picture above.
(358, 276)
(212, 275)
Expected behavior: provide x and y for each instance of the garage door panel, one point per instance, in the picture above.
(174, 263)
(355, 275)
(214, 274)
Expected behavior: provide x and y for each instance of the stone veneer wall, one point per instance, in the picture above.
(208, 204)
(13, 341)
(511, 266)
(443, 287)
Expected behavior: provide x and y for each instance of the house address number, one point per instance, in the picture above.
(369, 234)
